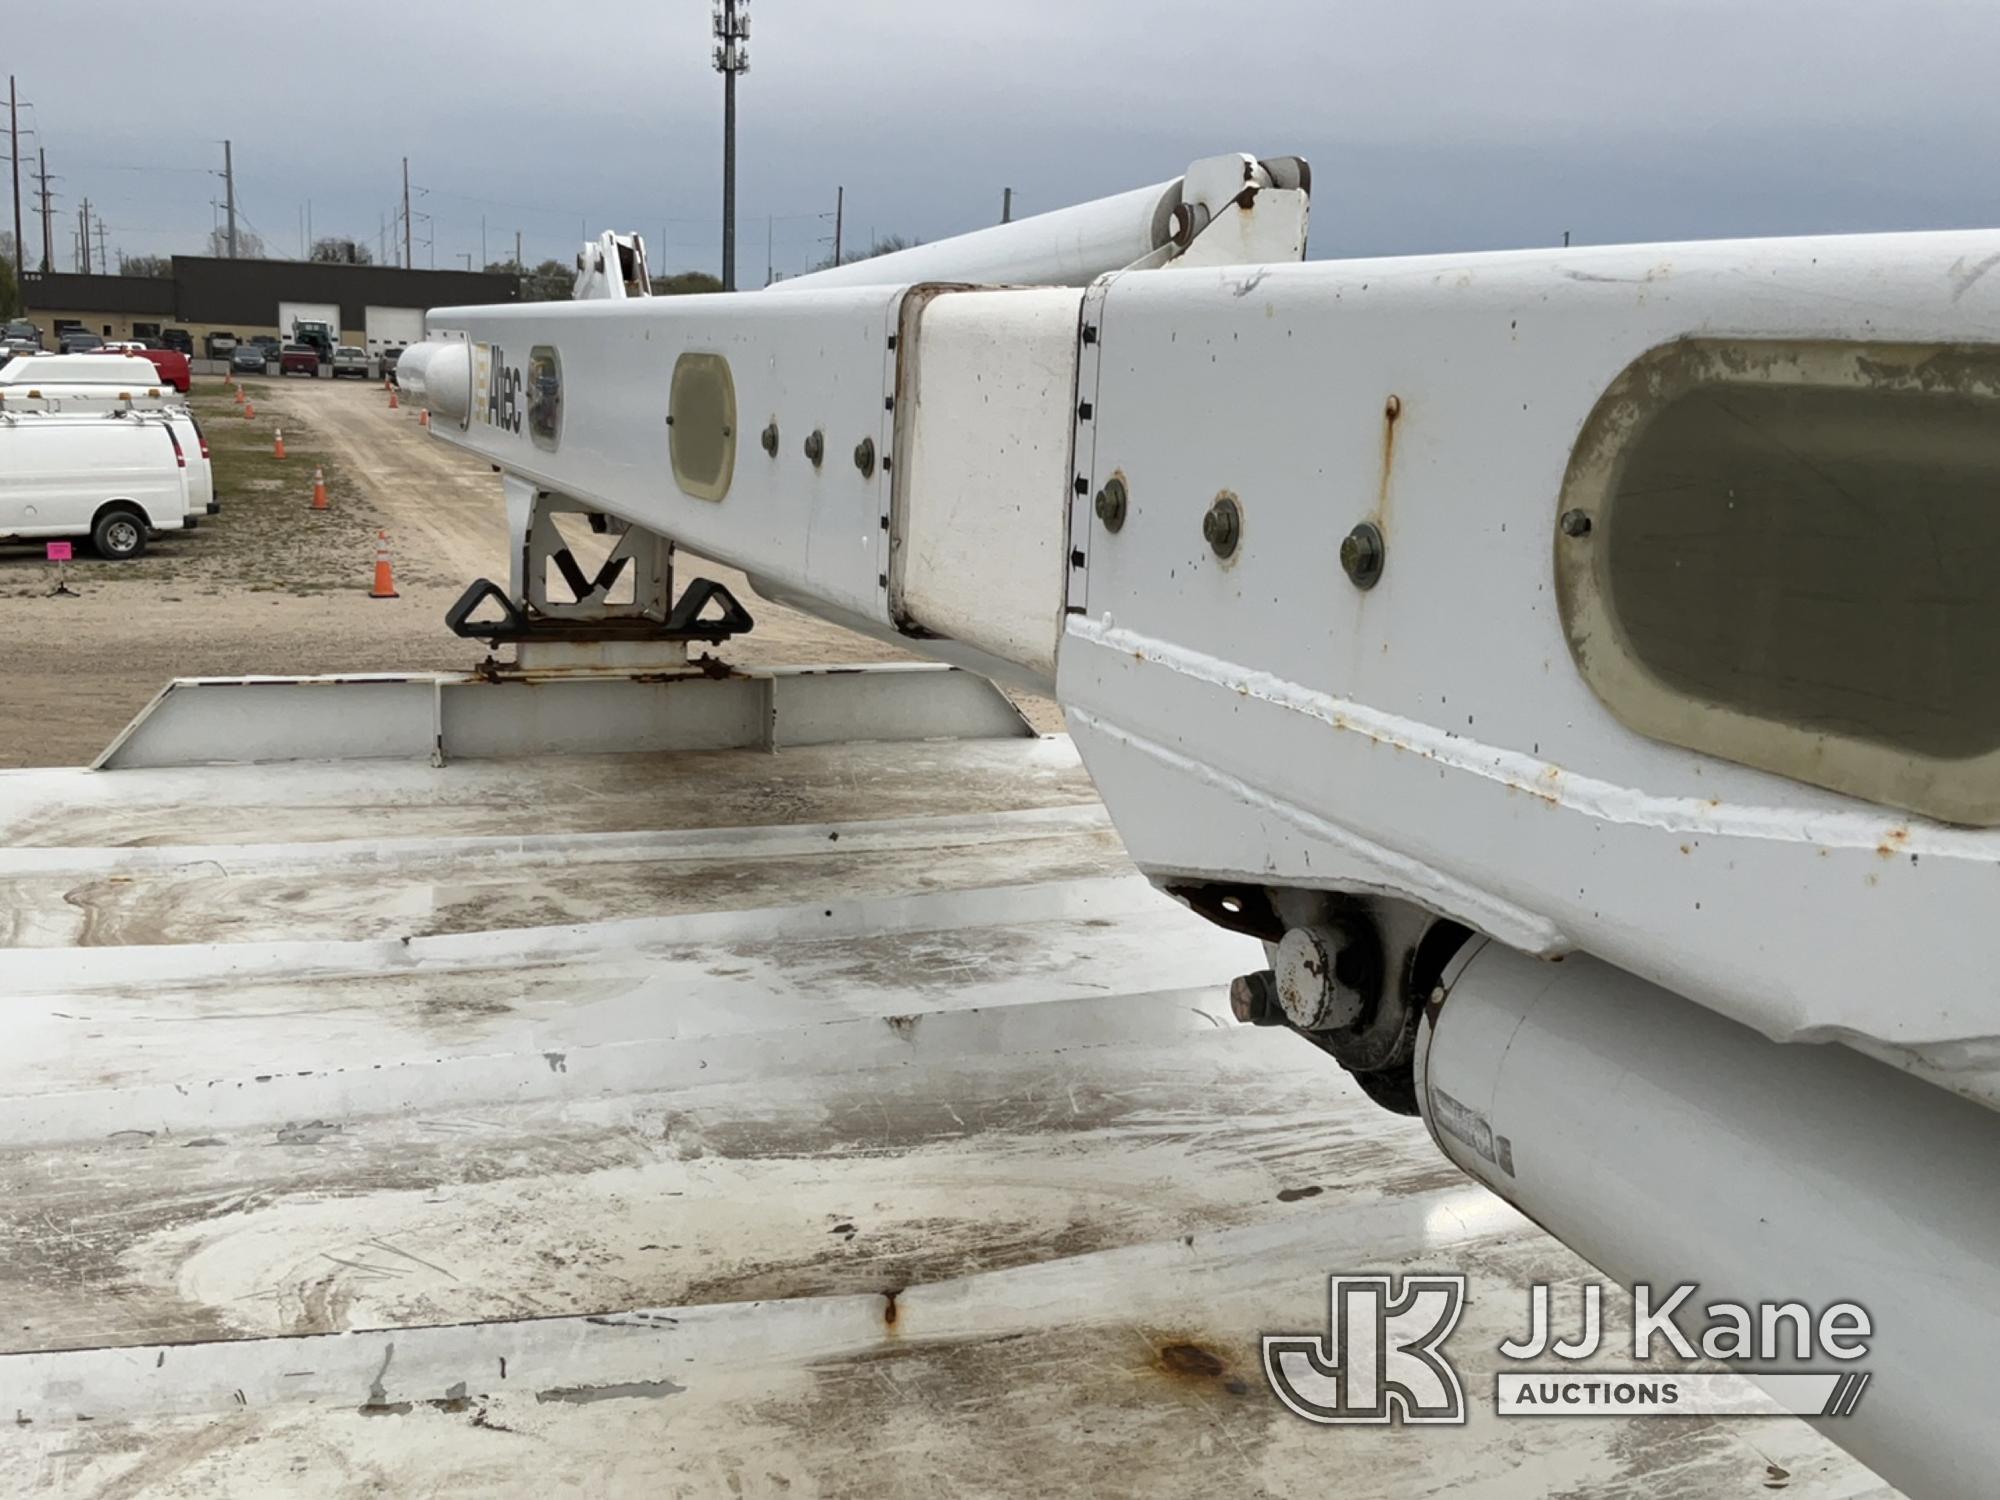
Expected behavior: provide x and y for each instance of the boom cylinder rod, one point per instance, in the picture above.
(1068, 247)
(1667, 1144)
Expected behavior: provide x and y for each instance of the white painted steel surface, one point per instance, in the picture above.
(1260, 718)
(1661, 1141)
(980, 523)
(813, 362)
(451, 715)
(1227, 209)
(1303, 732)
(1066, 247)
(844, 1119)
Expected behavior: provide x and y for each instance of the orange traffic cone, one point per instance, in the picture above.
(424, 417)
(319, 490)
(239, 395)
(278, 446)
(385, 579)
(249, 410)
(393, 403)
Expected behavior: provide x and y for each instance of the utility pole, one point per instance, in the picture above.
(732, 56)
(839, 211)
(518, 267)
(49, 203)
(482, 242)
(229, 185)
(767, 247)
(14, 151)
(1006, 205)
(42, 177)
(83, 237)
(407, 262)
(103, 261)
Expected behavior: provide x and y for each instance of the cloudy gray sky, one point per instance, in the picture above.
(1431, 124)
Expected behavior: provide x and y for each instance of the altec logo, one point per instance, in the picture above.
(1382, 1359)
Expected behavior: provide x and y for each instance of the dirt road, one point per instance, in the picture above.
(270, 586)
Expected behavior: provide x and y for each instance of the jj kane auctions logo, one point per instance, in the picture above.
(1382, 1357)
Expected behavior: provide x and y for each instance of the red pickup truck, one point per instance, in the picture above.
(171, 363)
(300, 359)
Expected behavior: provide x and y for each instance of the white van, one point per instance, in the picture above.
(115, 478)
(131, 373)
(98, 400)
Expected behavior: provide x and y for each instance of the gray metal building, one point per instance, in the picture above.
(207, 294)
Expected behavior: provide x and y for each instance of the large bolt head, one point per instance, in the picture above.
(1362, 555)
(1308, 993)
(1111, 503)
(1222, 527)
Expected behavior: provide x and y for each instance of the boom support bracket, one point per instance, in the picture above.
(555, 613)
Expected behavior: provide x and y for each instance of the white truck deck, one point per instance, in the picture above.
(811, 1102)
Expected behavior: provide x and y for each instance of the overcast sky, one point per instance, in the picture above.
(1430, 124)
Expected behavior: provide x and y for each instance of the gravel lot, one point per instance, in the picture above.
(270, 586)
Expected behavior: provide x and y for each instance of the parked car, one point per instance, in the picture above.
(389, 358)
(219, 345)
(247, 359)
(20, 332)
(77, 340)
(271, 346)
(299, 359)
(177, 338)
(348, 360)
(172, 366)
(115, 478)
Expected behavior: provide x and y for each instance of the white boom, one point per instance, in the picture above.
(1632, 602)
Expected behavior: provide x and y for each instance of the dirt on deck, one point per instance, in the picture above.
(271, 586)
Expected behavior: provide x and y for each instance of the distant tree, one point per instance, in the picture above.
(249, 244)
(10, 294)
(681, 283)
(888, 244)
(551, 281)
(342, 252)
(145, 265)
